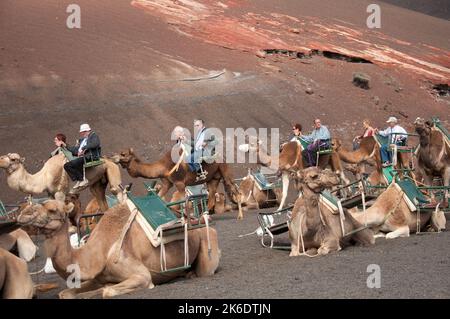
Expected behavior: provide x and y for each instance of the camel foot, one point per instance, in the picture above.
(67, 294)
(190, 275)
(294, 253)
(400, 232)
(323, 251)
(379, 235)
(48, 268)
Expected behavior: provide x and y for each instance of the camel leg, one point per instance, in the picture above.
(212, 189)
(114, 178)
(98, 191)
(166, 185)
(285, 179)
(88, 289)
(232, 190)
(402, 231)
(206, 263)
(141, 279)
(329, 245)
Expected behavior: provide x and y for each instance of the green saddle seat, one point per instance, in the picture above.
(440, 127)
(381, 140)
(263, 183)
(330, 199)
(68, 154)
(94, 163)
(387, 173)
(412, 191)
(302, 142)
(153, 209)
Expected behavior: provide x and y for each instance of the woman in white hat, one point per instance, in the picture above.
(88, 147)
(394, 133)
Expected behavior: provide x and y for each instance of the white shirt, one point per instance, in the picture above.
(82, 144)
(200, 139)
(392, 130)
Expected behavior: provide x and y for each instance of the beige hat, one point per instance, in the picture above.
(392, 119)
(85, 128)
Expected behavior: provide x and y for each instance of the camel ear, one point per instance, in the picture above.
(69, 208)
(131, 150)
(300, 176)
(22, 160)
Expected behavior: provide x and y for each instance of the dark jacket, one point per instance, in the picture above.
(92, 147)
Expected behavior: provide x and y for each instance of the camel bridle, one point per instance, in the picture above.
(14, 165)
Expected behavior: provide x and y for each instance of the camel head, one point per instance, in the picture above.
(124, 157)
(422, 127)
(11, 161)
(336, 144)
(48, 216)
(316, 179)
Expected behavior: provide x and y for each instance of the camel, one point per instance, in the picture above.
(433, 153)
(181, 177)
(119, 257)
(290, 160)
(15, 281)
(52, 178)
(390, 214)
(314, 228)
(368, 148)
(368, 153)
(253, 197)
(20, 240)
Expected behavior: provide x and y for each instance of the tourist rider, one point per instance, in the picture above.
(395, 136)
(87, 149)
(319, 138)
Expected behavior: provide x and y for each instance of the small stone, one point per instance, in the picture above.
(309, 91)
(376, 100)
(294, 30)
(361, 80)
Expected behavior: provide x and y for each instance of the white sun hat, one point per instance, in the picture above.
(85, 128)
(392, 119)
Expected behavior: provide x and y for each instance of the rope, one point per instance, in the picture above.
(37, 272)
(394, 160)
(162, 255)
(304, 253)
(177, 165)
(341, 217)
(186, 246)
(248, 234)
(205, 217)
(363, 198)
(124, 232)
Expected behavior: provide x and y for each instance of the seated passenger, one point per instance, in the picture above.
(394, 133)
(87, 148)
(320, 138)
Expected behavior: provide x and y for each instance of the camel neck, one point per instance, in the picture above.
(424, 140)
(313, 218)
(147, 170)
(60, 250)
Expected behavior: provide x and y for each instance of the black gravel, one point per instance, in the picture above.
(414, 267)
